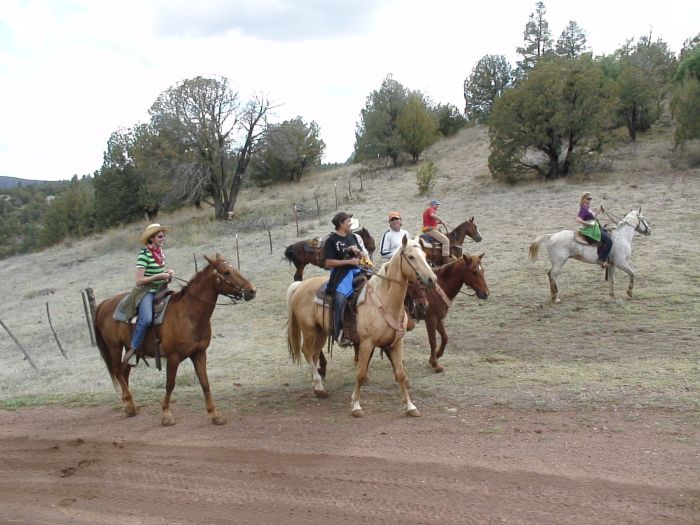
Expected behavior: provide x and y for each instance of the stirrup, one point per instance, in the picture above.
(130, 358)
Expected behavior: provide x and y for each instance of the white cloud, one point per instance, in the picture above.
(74, 71)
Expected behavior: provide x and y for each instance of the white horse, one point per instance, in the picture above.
(561, 246)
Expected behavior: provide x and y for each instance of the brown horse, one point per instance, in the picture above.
(468, 271)
(466, 229)
(310, 251)
(380, 320)
(185, 332)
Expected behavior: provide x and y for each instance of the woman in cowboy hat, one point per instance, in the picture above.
(151, 277)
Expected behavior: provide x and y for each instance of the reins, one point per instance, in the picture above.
(234, 301)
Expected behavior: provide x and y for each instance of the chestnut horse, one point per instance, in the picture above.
(381, 320)
(310, 251)
(468, 271)
(185, 332)
(456, 236)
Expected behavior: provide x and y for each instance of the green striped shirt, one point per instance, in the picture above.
(147, 261)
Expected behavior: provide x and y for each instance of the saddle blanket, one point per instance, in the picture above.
(158, 312)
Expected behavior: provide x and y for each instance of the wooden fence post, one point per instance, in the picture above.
(54, 332)
(238, 255)
(19, 345)
(89, 316)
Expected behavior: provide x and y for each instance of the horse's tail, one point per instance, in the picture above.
(293, 328)
(535, 247)
(289, 254)
(102, 345)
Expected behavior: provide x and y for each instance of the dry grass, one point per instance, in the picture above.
(516, 349)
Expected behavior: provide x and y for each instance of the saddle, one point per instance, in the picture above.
(349, 315)
(434, 248)
(582, 239)
(313, 245)
(160, 304)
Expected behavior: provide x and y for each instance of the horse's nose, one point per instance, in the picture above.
(249, 294)
(481, 294)
(428, 282)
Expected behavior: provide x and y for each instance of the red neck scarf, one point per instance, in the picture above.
(157, 254)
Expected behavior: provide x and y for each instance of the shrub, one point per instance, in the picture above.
(425, 178)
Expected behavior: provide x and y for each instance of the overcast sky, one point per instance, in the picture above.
(74, 71)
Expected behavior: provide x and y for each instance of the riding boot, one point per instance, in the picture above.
(338, 308)
(130, 357)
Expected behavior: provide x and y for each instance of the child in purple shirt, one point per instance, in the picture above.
(592, 230)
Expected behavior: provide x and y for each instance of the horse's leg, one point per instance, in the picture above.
(312, 348)
(322, 365)
(299, 273)
(443, 337)
(629, 271)
(431, 326)
(396, 358)
(167, 418)
(199, 360)
(363, 356)
(121, 373)
(611, 279)
(553, 274)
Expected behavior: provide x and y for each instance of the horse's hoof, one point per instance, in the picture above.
(217, 420)
(439, 369)
(321, 393)
(358, 413)
(167, 421)
(629, 294)
(557, 300)
(414, 412)
(130, 411)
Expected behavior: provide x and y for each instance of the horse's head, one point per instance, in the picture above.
(229, 281)
(473, 275)
(368, 240)
(467, 229)
(635, 219)
(416, 301)
(413, 263)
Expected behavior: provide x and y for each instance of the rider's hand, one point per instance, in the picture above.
(355, 261)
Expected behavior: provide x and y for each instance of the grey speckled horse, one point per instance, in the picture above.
(561, 247)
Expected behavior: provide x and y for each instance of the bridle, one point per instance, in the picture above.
(236, 297)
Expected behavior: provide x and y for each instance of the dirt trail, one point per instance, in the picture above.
(88, 465)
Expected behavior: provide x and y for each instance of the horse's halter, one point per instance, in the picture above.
(238, 290)
(641, 221)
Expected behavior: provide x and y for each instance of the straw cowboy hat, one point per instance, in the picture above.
(151, 230)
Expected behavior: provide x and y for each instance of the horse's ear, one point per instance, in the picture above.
(482, 255)
(209, 260)
(404, 241)
(471, 219)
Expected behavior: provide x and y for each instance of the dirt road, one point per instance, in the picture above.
(318, 465)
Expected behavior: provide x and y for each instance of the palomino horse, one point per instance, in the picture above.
(185, 332)
(465, 271)
(456, 236)
(380, 320)
(561, 246)
(416, 305)
(310, 251)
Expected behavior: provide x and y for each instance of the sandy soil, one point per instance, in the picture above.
(89, 466)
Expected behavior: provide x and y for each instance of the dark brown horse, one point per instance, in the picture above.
(465, 271)
(466, 229)
(310, 251)
(185, 332)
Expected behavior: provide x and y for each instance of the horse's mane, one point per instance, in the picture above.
(183, 291)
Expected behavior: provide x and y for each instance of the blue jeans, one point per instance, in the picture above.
(144, 321)
(606, 246)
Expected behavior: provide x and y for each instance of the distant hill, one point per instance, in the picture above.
(8, 183)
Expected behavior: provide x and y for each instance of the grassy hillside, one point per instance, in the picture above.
(515, 349)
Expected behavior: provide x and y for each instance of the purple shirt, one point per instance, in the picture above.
(585, 213)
